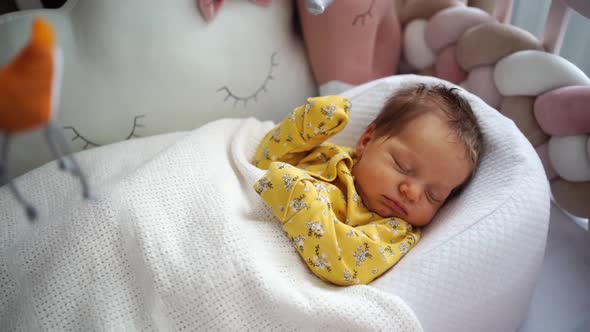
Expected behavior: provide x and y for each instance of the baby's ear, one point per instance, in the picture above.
(365, 139)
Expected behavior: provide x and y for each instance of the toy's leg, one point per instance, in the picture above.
(3, 158)
(61, 162)
(29, 209)
(61, 149)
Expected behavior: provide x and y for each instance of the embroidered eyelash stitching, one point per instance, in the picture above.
(135, 126)
(253, 96)
(361, 17)
(88, 143)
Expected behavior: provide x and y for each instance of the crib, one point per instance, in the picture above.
(162, 76)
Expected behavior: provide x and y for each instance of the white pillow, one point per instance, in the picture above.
(142, 68)
(476, 264)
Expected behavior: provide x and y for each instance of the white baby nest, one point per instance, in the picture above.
(476, 265)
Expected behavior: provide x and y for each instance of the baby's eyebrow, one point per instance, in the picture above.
(404, 150)
(406, 155)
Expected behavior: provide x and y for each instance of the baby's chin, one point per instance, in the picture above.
(418, 223)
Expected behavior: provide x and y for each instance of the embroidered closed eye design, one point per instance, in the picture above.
(91, 144)
(230, 95)
(362, 16)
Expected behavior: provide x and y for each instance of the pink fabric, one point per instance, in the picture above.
(447, 67)
(564, 111)
(543, 152)
(446, 26)
(581, 6)
(480, 81)
(555, 26)
(210, 8)
(503, 10)
(353, 41)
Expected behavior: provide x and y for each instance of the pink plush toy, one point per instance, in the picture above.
(352, 42)
(355, 41)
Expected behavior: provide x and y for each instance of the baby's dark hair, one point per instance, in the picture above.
(409, 103)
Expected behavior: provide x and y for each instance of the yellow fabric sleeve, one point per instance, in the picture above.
(334, 251)
(302, 130)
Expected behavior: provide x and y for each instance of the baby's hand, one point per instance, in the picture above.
(323, 117)
(306, 127)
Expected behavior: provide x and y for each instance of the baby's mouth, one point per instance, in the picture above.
(396, 206)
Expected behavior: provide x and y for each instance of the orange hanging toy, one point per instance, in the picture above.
(29, 95)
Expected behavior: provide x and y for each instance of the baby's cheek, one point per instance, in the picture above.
(388, 175)
(380, 180)
(432, 213)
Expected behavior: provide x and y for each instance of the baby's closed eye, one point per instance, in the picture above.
(403, 167)
(435, 197)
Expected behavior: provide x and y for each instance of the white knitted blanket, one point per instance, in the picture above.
(175, 239)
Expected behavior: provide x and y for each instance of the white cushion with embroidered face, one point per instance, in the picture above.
(476, 264)
(138, 69)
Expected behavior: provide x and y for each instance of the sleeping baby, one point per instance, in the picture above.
(352, 213)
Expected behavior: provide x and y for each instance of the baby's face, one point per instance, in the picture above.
(411, 174)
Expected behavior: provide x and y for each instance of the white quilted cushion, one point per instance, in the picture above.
(476, 265)
(159, 63)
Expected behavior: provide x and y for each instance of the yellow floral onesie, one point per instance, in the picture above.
(310, 188)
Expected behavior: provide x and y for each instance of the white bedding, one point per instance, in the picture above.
(177, 239)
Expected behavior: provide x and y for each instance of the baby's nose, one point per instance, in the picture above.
(410, 192)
